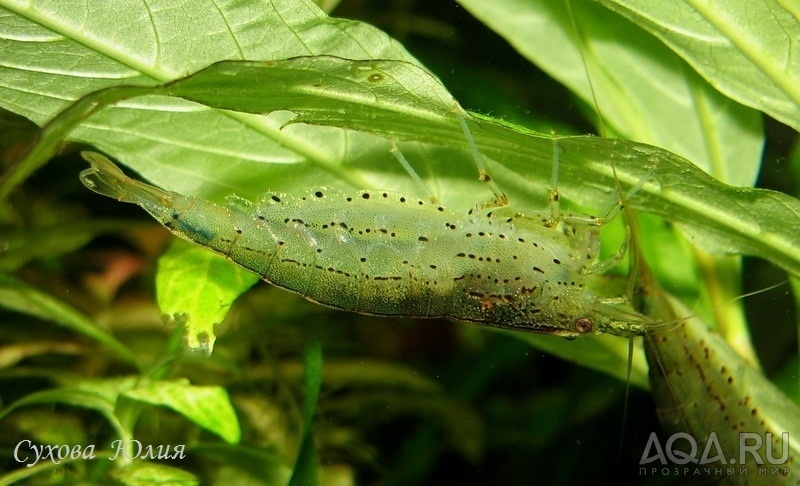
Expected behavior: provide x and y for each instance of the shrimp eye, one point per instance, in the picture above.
(583, 325)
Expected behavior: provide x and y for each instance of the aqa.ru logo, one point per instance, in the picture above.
(673, 451)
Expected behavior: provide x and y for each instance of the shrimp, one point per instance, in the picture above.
(388, 254)
(736, 418)
(705, 389)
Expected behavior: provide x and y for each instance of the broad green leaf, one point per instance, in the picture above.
(71, 48)
(749, 51)
(20, 297)
(720, 218)
(642, 90)
(371, 95)
(526, 166)
(196, 289)
(207, 406)
(132, 44)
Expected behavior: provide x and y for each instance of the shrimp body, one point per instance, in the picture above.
(389, 254)
(702, 386)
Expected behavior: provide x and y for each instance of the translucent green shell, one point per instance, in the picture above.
(389, 254)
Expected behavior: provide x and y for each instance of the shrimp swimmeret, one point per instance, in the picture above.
(388, 254)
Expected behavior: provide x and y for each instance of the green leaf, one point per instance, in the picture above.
(608, 354)
(719, 218)
(207, 406)
(44, 427)
(683, 199)
(240, 464)
(75, 397)
(307, 463)
(21, 297)
(73, 48)
(748, 51)
(312, 379)
(369, 95)
(23, 246)
(196, 288)
(642, 90)
(146, 473)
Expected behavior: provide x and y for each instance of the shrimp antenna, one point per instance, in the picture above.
(398, 155)
(638, 268)
(640, 280)
(666, 326)
(601, 128)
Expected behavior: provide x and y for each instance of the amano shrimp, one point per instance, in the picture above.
(388, 254)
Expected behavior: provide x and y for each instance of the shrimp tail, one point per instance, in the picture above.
(107, 179)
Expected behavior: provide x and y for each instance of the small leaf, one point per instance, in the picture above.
(144, 473)
(207, 406)
(197, 288)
